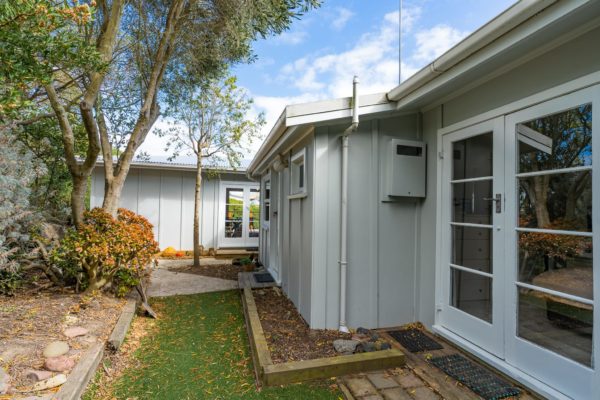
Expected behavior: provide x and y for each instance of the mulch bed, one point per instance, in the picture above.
(223, 271)
(288, 335)
(29, 322)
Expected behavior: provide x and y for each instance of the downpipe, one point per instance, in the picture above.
(344, 206)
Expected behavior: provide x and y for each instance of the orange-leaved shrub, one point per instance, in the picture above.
(105, 250)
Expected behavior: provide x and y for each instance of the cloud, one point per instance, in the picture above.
(290, 37)
(433, 42)
(342, 18)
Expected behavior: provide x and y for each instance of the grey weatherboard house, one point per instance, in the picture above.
(471, 197)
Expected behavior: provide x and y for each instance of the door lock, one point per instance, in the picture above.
(498, 200)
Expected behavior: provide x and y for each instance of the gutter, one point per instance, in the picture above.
(502, 24)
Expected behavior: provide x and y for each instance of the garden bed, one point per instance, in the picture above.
(326, 365)
(29, 323)
(288, 336)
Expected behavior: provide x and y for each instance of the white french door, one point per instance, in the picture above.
(553, 281)
(519, 275)
(473, 169)
(239, 214)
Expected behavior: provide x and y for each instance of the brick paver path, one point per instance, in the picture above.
(395, 384)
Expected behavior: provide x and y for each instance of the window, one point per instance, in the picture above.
(267, 202)
(298, 173)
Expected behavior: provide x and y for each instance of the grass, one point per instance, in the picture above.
(199, 350)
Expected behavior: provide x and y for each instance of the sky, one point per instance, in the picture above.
(318, 56)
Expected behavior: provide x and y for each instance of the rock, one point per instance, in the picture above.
(345, 346)
(49, 383)
(367, 347)
(75, 331)
(59, 364)
(362, 331)
(56, 349)
(385, 346)
(37, 375)
(4, 381)
(71, 320)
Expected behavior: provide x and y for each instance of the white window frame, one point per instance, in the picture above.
(298, 160)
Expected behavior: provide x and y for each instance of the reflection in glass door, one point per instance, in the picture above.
(551, 243)
(472, 199)
(239, 216)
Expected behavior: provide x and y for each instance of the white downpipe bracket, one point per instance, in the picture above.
(344, 205)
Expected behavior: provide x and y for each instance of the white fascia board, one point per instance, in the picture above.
(175, 167)
(511, 27)
(313, 112)
(339, 114)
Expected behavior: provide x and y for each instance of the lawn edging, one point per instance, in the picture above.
(270, 374)
(122, 326)
(81, 375)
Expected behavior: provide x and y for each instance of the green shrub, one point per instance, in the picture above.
(105, 250)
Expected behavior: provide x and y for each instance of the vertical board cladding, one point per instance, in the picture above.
(149, 200)
(166, 198)
(427, 243)
(297, 237)
(381, 235)
(170, 209)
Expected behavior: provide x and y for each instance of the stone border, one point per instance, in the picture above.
(298, 371)
(85, 369)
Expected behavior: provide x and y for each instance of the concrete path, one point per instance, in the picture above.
(165, 282)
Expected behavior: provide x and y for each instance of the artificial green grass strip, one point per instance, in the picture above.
(200, 351)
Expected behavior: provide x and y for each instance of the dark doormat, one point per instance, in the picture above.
(476, 378)
(414, 340)
(264, 277)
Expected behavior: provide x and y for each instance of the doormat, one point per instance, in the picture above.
(476, 378)
(263, 277)
(414, 340)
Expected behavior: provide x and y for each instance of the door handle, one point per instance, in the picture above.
(498, 200)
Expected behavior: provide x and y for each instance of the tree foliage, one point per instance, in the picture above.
(107, 250)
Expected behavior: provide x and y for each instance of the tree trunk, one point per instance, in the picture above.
(78, 198)
(540, 186)
(112, 194)
(197, 204)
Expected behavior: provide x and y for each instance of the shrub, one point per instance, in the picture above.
(106, 250)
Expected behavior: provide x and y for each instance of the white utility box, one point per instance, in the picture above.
(406, 168)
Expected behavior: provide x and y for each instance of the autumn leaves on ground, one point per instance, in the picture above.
(197, 349)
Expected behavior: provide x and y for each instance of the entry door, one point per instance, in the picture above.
(472, 237)
(550, 251)
(239, 215)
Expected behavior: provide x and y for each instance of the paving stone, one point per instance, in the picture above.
(409, 380)
(360, 387)
(424, 393)
(56, 349)
(75, 331)
(382, 380)
(395, 394)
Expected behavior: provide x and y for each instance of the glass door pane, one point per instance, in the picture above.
(254, 213)
(554, 233)
(471, 226)
(234, 212)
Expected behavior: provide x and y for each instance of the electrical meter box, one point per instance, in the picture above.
(406, 168)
